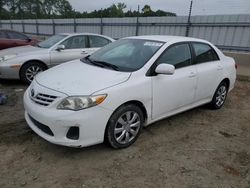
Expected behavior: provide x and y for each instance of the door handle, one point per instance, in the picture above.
(219, 67)
(84, 52)
(191, 75)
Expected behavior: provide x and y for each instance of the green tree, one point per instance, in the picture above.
(2, 3)
(63, 8)
(146, 9)
(121, 7)
(12, 5)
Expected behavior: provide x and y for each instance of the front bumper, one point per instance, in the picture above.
(7, 72)
(91, 122)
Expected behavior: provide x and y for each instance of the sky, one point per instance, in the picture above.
(181, 7)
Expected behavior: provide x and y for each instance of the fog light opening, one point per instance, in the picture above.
(73, 133)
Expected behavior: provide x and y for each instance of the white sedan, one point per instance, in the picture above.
(133, 82)
(25, 62)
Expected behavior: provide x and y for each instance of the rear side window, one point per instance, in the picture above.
(75, 42)
(16, 35)
(178, 55)
(97, 42)
(204, 53)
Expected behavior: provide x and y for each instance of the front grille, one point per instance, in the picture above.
(41, 126)
(43, 99)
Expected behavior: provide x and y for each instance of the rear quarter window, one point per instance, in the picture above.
(204, 53)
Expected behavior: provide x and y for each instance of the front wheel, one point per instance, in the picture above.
(220, 96)
(30, 70)
(124, 126)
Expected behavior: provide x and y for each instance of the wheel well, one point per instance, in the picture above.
(140, 105)
(135, 102)
(31, 61)
(227, 81)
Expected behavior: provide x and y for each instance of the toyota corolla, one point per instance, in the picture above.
(133, 82)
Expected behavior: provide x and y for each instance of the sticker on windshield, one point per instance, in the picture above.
(158, 44)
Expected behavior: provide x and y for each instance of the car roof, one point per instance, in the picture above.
(76, 34)
(167, 38)
(8, 30)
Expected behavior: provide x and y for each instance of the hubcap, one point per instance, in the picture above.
(127, 127)
(221, 95)
(32, 71)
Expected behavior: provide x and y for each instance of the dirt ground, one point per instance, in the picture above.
(198, 148)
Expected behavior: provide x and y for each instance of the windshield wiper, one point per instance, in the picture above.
(89, 61)
(105, 64)
(101, 63)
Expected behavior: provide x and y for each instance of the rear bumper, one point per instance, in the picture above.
(232, 81)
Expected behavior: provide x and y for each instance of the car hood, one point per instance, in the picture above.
(23, 50)
(78, 78)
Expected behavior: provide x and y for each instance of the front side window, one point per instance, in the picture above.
(204, 53)
(15, 35)
(97, 42)
(51, 41)
(76, 42)
(178, 55)
(127, 54)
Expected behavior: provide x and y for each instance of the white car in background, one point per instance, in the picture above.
(26, 61)
(124, 86)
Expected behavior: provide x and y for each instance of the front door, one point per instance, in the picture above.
(171, 92)
(75, 48)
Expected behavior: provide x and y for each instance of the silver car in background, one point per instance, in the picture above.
(26, 61)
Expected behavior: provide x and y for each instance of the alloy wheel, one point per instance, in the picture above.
(221, 96)
(32, 71)
(127, 127)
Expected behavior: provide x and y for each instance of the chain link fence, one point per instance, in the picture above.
(228, 32)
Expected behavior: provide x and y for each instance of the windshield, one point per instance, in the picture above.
(51, 41)
(127, 55)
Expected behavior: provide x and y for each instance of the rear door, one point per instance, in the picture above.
(75, 48)
(209, 70)
(171, 92)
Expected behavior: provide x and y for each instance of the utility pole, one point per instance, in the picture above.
(189, 18)
(137, 21)
(101, 24)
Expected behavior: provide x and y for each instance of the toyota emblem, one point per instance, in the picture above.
(32, 92)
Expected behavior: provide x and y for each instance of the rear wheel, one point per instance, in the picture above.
(30, 70)
(124, 126)
(220, 96)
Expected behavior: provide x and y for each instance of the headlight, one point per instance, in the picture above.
(7, 57)
(80, 102)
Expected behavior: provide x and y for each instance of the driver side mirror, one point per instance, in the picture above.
(165, 69)
(60, 47)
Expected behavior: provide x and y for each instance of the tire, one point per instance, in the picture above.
(220, 96)
(124, 126)
(29, 70)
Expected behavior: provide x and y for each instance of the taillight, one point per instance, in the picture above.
(236, 66)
